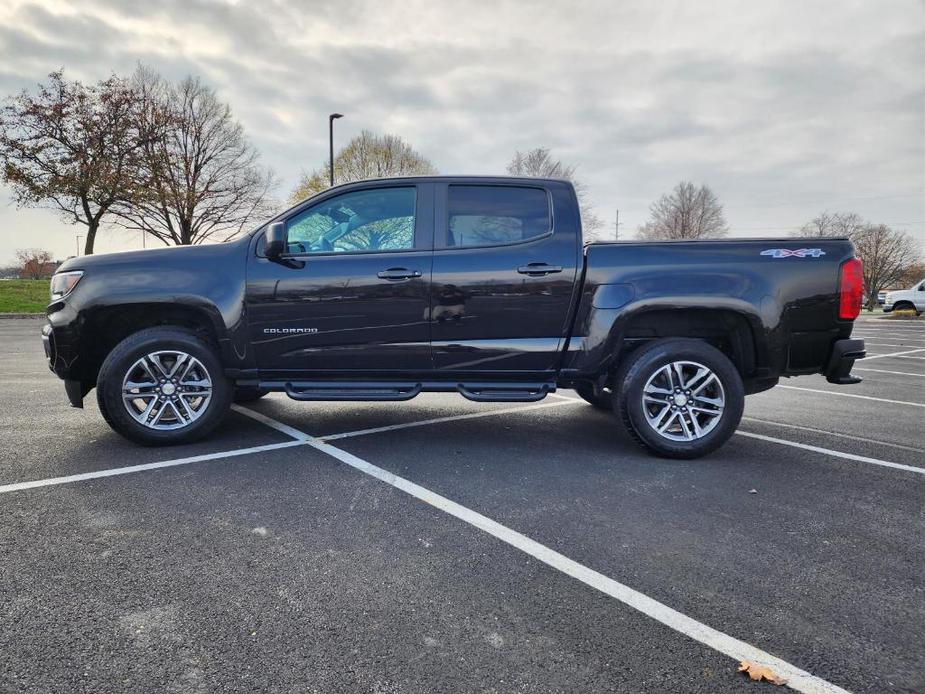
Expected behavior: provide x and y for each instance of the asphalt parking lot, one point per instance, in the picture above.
(442, 545)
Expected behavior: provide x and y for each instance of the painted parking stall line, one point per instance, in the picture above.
(833, 453)
(888, 336)
(826, 451)
(272, 423)
(850, 437)
(893, 354)
(797, 679)
(854, 395)
(884, 371)
(113, 472)
(876, 343)
(440, 420)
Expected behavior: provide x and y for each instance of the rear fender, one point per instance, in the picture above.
(605, 330)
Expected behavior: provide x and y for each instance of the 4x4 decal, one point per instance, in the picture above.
(799, 253)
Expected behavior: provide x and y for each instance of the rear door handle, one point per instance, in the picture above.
(398, 273)
(538, 269)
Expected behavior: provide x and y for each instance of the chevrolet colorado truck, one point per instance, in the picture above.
(380, 290)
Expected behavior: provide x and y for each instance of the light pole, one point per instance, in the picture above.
(331, 120)
(78, 243)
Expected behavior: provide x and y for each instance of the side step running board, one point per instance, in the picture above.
(505, 392)
(488, 391)
(344, 391)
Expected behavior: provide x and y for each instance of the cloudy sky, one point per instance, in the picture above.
(784, 108)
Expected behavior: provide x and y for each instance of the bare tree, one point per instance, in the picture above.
(829, 224)
(687, 212)
(912, 274)
(887, 255)
(71, 148)
(34, 263)
(366, 156)
(539, 163)
(200, 178)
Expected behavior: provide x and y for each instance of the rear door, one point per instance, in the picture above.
(351, 294)
(503, 276)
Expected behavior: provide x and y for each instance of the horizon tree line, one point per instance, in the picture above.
(169, 159)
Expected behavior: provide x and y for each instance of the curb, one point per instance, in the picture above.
(21, 315)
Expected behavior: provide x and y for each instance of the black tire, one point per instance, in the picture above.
(248, 394)
(644, 363)
(601, 399)
(905, 306)
(120, 360)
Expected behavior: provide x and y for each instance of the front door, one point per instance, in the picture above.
(503, 279)
(351, 295)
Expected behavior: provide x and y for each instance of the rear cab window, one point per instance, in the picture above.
(485, 215)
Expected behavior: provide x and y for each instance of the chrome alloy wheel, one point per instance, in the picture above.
(683, 401)
(165, 390)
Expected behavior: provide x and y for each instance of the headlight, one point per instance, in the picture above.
(64, 282)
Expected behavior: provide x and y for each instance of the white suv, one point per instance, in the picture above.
(904, 299)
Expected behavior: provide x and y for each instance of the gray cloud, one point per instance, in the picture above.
(785, 109)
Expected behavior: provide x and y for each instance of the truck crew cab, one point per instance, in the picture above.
(383, 289)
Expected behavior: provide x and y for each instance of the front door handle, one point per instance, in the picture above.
(538, 269)
(398, 273)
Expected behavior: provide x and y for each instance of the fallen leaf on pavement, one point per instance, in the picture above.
(760, 672)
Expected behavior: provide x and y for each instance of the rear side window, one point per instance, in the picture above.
(493, 215)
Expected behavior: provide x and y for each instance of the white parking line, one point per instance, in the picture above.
(868, 343)
(837, 435)
(797, 678)
(854, 395)
(270, 422)
(879, 336)
(837, 454)
(438, 420)
(112, 472)
(895, 354)
(884, 371)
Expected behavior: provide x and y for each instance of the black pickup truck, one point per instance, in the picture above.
(380, 290)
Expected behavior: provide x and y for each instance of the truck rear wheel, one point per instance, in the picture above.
(163, 386)
(679, 398)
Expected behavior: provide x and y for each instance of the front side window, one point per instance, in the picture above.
(492, 215)
(379, 219)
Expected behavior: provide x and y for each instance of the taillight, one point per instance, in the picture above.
(850, 289)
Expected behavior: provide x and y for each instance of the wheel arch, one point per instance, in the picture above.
(109, 325)
(733, 327)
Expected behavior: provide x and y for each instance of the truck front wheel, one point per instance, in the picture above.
(679, 398)
(163, 386)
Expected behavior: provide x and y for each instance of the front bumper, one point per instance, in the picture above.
(61, 360)
(844, 353)
(48, 345)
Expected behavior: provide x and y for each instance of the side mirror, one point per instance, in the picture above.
(276, 240)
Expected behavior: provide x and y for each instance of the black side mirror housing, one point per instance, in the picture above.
(276, 240)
